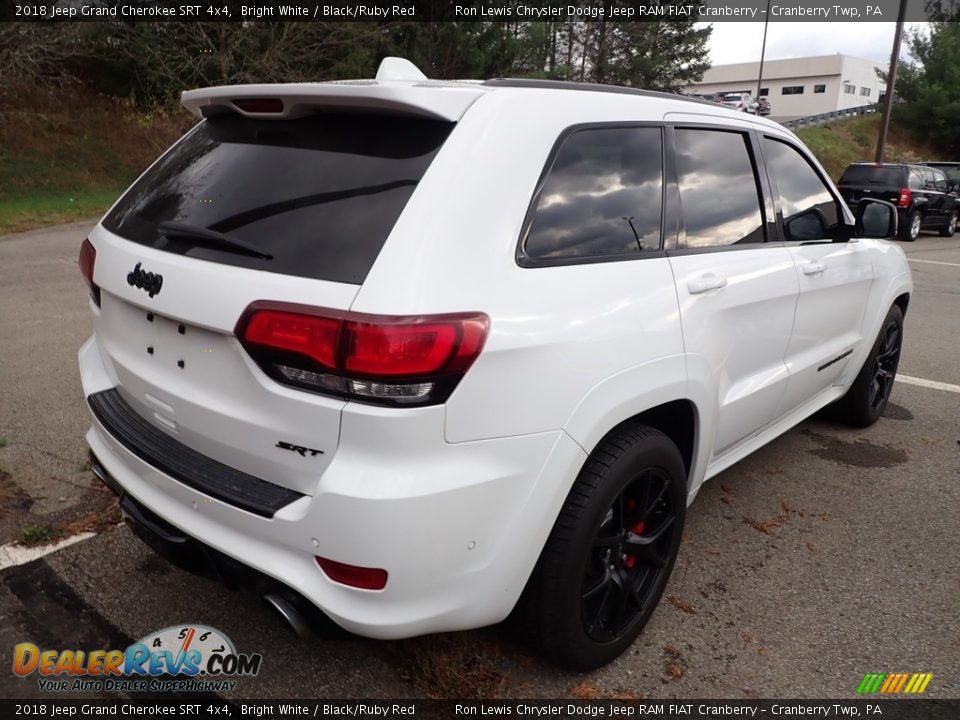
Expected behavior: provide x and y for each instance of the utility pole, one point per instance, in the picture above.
(891, 83)
(763, 51)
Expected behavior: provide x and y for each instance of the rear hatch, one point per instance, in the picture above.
(733, 101)
(247, 208)
(877, 182)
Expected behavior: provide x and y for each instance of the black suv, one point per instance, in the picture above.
(924, 197)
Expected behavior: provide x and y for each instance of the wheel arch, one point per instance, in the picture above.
(661, 394)
(902, 301)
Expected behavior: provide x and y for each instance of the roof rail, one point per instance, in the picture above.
(590, 87)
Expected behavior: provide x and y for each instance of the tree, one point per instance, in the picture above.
(930, 88)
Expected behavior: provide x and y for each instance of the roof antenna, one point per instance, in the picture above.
(394, 68)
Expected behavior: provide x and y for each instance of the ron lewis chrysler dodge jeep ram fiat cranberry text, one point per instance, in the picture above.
(422, 354)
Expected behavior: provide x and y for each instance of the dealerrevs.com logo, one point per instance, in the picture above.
(180, 658)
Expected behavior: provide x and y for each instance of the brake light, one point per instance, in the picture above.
(259, 105)
(353, 575)
(380, 359)
(906, 194)
(88, 258)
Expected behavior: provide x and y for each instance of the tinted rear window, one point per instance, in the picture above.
(865, 174)
(320, 194)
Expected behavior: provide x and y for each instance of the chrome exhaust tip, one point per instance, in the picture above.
(289, 613)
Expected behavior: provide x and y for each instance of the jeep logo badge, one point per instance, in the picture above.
(151, 282)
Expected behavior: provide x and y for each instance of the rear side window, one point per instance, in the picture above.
(319, 194)
(602, 197)
(810, 211)
(718, 189)
(940, 181)
(872, 175)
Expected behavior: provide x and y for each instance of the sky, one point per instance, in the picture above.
(733, 42)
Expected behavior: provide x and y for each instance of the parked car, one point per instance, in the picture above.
(709, 97)
(741, 101)
(924, 197)
(763, 107)
(424, 354)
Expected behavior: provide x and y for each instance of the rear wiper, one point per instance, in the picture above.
(202, 236)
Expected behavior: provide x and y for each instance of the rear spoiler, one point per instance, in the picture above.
(399, 89)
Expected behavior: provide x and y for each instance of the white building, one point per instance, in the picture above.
(801, 86)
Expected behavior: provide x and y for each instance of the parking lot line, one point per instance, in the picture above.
(933, 262)
(928, 383)
(13, 554)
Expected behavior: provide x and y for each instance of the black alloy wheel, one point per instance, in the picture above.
(610, 553)
(885, 366)
(628, 558)
(867, 397)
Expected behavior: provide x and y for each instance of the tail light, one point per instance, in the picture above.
(906, 194)
(380, 359)
(88, 258)
(352, 575)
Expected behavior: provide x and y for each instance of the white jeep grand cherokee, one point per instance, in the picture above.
(420, 354)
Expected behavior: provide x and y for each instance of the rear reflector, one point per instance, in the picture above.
(88, 258)
(906, 194)
(259, 105)
(383, 359)
(352, 575)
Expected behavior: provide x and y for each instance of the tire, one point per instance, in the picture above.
(630, 494)
(911, 228)
(950, 226)
(867, 398)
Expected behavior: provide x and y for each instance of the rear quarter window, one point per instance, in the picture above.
(319, 194)
(602, 198)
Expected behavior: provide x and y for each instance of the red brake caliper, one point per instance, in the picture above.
(630, 560)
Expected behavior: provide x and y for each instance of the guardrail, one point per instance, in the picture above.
(823, 118)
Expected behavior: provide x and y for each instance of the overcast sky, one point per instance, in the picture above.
(733, 42)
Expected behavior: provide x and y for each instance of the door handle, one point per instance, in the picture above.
(813, 268)
(704, 283)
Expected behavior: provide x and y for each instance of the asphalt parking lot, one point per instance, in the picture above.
(828, 554)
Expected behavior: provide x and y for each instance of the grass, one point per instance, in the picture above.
(855, 140)
(450, 665)
(31, 535)
(27, 213)
(3, 442)
(67, 152)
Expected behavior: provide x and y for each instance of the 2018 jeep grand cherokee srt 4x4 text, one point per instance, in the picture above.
(422, 354)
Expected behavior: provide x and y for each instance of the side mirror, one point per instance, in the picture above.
(811, 224)
(875, 219)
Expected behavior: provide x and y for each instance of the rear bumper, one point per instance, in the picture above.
(458, 527)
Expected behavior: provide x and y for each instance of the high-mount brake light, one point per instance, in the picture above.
(88, 258)
(906, 195)
(381, 359)
(259, 105)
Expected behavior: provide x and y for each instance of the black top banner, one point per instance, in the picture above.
(476, 10)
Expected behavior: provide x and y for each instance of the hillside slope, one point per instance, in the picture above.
(67, 152)
(855, 140)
